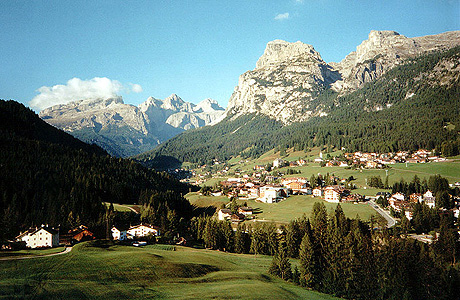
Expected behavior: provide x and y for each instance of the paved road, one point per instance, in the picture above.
(391, 222)
(67, 250)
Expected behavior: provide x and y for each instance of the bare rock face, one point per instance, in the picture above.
(124, 129)
(382, 51)
(283, 83)
(289, 76)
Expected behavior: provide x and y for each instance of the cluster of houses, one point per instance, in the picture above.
(133, 232)
(378, 160)
(400, 202)
(248, 188)
(46, 236)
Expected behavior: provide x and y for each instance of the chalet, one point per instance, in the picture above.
(119, 233)
(415, 197)
(237, 217)
(142, 230)
(429, 199)
(224, 214)
(334, 194)
(40, 237)
(353, 198)
(247, 211)
(293, 164)
(318, 192)
(77, 235)
(301, 162)
(398, 196)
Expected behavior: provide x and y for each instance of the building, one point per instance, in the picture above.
(429, 199)
(77, 235)
(278, 163)
(41, 237)
(334, 194)
(318, 192)
(119, 233)
(224, 214)
(142, 230)
(247, 211)
(270, 194)
(237, 217)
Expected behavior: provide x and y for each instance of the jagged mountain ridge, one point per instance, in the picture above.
(289, 76)
(414, 105)
(124, 129)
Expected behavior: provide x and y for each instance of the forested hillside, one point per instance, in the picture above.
(49, 177)
(415, 105)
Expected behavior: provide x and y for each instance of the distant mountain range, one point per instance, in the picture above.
(124, 129)
(290, 85)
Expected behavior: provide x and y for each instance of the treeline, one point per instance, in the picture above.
(344, 257)
(49, 177)
(403, 110)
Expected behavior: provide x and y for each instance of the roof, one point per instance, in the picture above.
(46, 228)
(145, 225)
(225, 211)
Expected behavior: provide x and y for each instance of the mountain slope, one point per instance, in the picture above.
(409, 107)
(123, 129)
(49, 177)
(289, 77)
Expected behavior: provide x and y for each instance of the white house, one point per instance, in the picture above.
(278, 163)
(331, 194)
(119, 234)
(429, 199)
(142, 230)
(317, 192)
(270, 194)
(224, 214)
(42, 237)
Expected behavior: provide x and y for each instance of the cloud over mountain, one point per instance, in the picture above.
(75, 88)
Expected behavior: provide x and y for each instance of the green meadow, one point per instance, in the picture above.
(289, 209)
(101, 270)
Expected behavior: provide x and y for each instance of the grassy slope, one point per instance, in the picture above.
(123, 272)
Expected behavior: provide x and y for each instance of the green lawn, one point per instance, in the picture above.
(124, 272)
(205, 201)
(286, 210)
(295, 206)
(30, 252)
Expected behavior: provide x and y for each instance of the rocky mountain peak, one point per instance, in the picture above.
(208, 105)
(279, 51)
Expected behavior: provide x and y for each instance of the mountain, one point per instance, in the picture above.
(289, 76)
(294, 99)
(124, 129)
(49, 177)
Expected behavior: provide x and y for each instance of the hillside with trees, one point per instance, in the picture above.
(415, 105)
(49, 177)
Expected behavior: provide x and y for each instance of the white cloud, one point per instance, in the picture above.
(77, 89)
(136, 88)
(282, 16)
(299, 1)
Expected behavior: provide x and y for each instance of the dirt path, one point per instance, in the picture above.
(66, 250)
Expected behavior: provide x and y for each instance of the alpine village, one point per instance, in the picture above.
(318, 181)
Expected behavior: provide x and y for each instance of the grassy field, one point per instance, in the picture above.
(30, 252)
(295, 206)
(124, 272)
(123, 207)
(204, 201)
(286, 210)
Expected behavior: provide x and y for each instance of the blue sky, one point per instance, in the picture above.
(196, 49)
